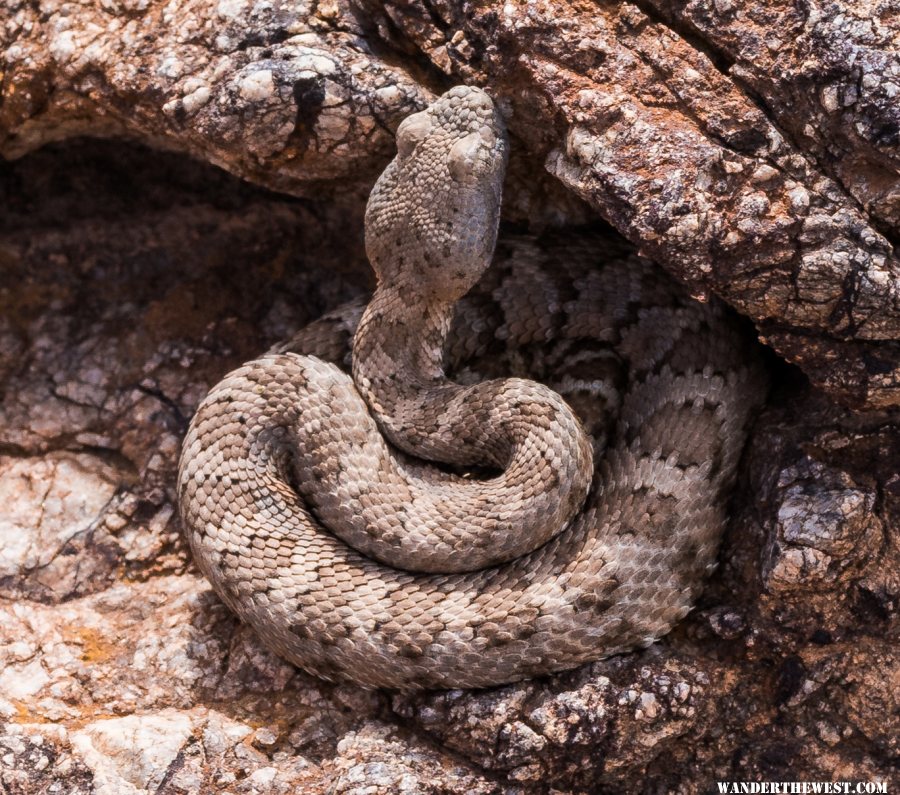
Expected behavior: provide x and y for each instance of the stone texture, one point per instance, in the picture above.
(606, 723)
(752, 151)
(829, 74)
(132, 754)
(752, 154)
(121, 672)
(48, 501)
(290, 94)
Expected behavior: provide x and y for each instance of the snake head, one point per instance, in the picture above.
(431, 219)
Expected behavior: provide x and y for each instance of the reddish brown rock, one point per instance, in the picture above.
(749, 150)
(753, 155)
(829, 74)
(288, 95)
(647, 129)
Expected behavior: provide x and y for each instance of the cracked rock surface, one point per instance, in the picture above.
(728, 145)
(135, 280)
(753, 153)
(286, 94)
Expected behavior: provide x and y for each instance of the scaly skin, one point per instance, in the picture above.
(310, 498)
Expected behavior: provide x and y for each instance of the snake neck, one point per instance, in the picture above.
(398, 368)
(405, 333)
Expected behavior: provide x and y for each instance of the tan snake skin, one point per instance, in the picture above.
(396, 528)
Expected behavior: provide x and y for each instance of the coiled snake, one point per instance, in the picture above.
(396, 528)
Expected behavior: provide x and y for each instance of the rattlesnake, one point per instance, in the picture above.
(397, 529)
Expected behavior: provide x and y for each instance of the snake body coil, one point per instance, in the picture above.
(396, 528)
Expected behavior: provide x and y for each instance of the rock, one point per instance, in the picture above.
(650, 116)
(819, 545)
(135, 278)
(674, 152)
(828, 75)
(825, 523)
(376, 760)
(132, 754)
(29, 759)
(597, 727)
(49, 500)
(290, 95)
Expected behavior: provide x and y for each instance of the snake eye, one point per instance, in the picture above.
(468, 153)
(412, 130)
